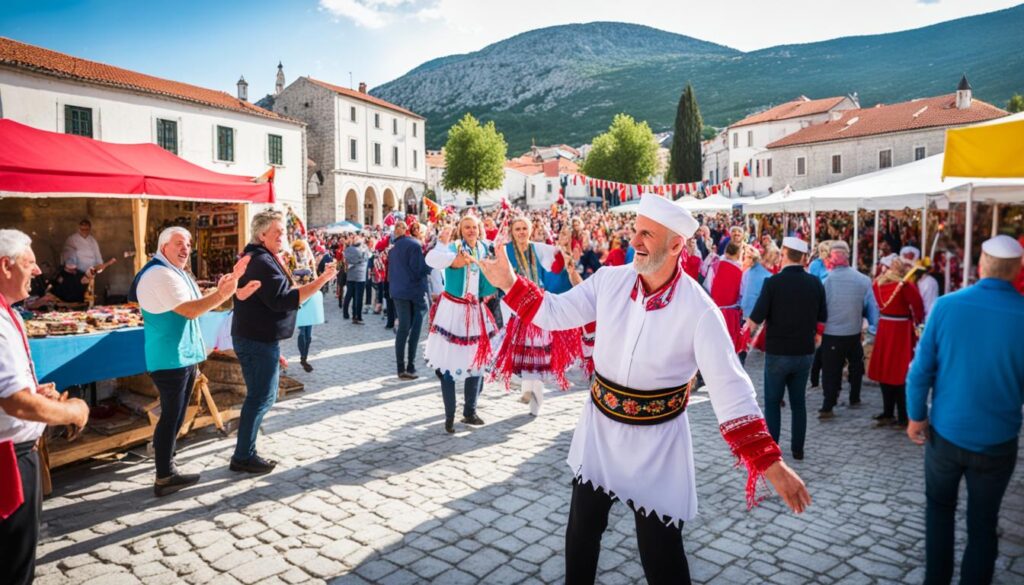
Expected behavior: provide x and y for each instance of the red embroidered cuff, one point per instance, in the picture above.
(524, 298)
(753, 446)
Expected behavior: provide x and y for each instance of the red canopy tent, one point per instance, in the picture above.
(37, 163)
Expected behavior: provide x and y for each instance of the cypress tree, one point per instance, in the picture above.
(684, 164)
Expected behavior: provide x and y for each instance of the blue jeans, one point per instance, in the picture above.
(261, 371)
(472, 391)
(410, 321)
(305, 338)
(781, 373)
(988, 475)
(175, 387)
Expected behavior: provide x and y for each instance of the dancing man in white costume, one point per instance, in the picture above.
(656, 328)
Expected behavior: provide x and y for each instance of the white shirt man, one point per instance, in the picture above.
(926, 284)
(83, 246)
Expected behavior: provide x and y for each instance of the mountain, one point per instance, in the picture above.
(563, 84)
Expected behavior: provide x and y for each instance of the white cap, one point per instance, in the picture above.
(912, 251)
(795, 244)
(668, 214)
(887, 260)
(1003, 247)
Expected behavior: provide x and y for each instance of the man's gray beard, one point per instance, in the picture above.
(653, 264)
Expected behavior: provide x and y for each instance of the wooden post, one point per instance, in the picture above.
(874, 256)
(243, 226)
(856, 236)
(924, 229)
(968, 234)
(140, 214)
(995, 219)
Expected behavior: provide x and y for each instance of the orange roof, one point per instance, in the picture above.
(38, 59)
(801, 106)
(933, 112)
(365, 97)
(436, 160)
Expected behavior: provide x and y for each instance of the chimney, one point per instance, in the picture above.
(243, 89)
(963, 94)
(362, 87)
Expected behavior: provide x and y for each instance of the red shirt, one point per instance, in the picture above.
(616, 257)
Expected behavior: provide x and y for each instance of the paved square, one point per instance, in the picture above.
(371, 490)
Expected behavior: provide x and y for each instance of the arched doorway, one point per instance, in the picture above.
(352, 206)
(390, 204)
(412, 203)
(371, 208)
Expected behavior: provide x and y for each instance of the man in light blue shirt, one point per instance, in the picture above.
(754, 275)
(970, 360)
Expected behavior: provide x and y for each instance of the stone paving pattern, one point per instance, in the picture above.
(371, 490)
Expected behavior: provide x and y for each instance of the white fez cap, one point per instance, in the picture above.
(795, 244)
(887, 260)
(668, 214)
(911, 251)
(1003, 246)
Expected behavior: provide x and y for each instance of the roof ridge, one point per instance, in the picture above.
(366, 97)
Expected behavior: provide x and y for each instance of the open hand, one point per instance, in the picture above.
(917, 430)
(329, 273)
(247, 290)
(788, 485)
(498, 270)
(240, 266)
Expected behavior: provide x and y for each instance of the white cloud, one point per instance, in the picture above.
(375, 14)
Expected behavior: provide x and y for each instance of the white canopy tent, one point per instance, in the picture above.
(713, 203)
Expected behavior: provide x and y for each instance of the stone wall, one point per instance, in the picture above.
(315, 106)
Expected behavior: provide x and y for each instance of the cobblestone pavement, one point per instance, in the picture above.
(371, 490)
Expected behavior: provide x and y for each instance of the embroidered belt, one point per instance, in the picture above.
(638, 407)
(467, 300)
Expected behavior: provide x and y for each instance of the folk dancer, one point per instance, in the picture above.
(723, 284)
(461, 327)
(632, 441)
(533, 354)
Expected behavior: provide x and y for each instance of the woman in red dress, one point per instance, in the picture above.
(900, 310)
(725, 282)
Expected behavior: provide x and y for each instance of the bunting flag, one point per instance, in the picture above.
(746, 169)
(433, 210)
(267, 177)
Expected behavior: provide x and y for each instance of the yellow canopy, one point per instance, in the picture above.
(991, 150)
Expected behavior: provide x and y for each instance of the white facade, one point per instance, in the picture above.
(748, 144)
(372, 157)
(124, 116)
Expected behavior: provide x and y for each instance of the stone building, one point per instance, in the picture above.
(863, 140)
(369, 153)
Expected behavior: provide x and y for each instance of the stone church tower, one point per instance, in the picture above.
(279, 86)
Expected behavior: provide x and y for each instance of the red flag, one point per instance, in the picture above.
(267, 177)
(433, 210)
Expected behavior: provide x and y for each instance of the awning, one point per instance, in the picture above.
(37, 163)
(994, 149)
(712, 203)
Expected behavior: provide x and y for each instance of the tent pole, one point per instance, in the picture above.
(995, 219)
(814, 229)
(969, 234)
(140, 213)
(243, 226)
(874, 257)
(856, 237)
(924, 229)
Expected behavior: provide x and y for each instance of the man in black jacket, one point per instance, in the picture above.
(407, 278)
(792, 304)
(259, 324)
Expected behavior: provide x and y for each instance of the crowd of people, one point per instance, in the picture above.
(523, 297)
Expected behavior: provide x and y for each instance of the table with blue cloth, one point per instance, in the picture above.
(82, 359)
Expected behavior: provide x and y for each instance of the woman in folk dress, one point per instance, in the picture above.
(461, 327)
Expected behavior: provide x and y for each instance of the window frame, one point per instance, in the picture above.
(801, 159)
(217, 143)
(376, 120)
(160, 122)
(270, 149)
(750, 138)
(924, 151)
(414, 129)
(415, 159)
(735, 139)
(377, 154)
(352, 114)
(832, 161)
(768, 168)
(394, 157)
(69, 120)
(735, 169)
(353, 149)
(394, 126)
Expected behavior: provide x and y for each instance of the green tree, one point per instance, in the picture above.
(1016, 104)
(626, 153)
(474, 157)
(684, 165)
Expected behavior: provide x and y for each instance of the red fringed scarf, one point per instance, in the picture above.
(524, 340)
(750, 442)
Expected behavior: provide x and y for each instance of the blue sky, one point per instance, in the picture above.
(211, 42)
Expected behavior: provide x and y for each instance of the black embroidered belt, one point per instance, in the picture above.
(638, 407)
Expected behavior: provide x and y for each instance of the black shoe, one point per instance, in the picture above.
(306, 366)
(798, 455)
(449, 425)
(345, 316)
(407, 376)
(168, 485)
(881, 416)
(357, 321)
(854, 404)
(254, 464)
(472, 420)
(826, 414)
(884, 421)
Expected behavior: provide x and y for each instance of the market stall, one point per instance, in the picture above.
(50, 180)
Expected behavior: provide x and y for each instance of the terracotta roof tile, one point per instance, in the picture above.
(364, 97)
(884, 119)
(38, 59)
(436, 160)
(801, 106)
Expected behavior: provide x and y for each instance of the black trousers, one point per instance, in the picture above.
(816, 368)
(660, 544)
(175, 388)
(20, 531)
(354, 295)
(895, 398)
(836, 352)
